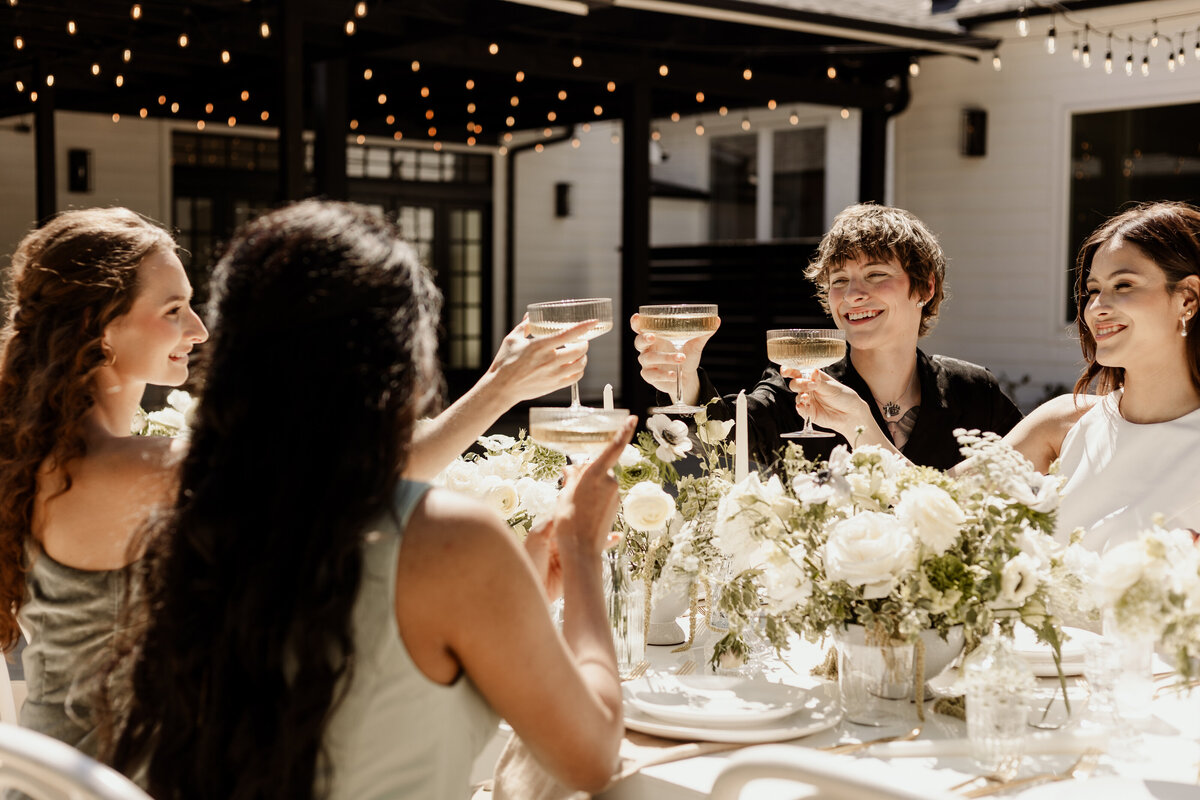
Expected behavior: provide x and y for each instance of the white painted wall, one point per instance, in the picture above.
(130, 167)
(1002, 218)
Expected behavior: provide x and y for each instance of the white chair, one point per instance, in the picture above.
(833, 777)
(47, 769)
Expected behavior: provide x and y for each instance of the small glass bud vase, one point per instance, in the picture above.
(996, 681)
(1133, 687)
(875, 677)
(625, 599)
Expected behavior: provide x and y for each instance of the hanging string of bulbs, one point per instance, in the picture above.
(1084, 32)
(237, 110)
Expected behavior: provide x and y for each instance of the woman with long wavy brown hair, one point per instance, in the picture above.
(98, 309)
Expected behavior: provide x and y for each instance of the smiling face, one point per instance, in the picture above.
(1131, 315)
(150, 344)
(871, 300)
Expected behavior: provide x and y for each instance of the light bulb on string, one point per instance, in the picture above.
(415, 66)
(95, 69)
(1075, 47)
(1022, 24)
(655, 134)
(20, 86)
(793, 118)
(264, 29)
(996, 65)
(1129, 59)
(520, 76)
(845, 113)
(351, 27)
(50, 80)
(1108, 63)
(183, 40)
(1179, 57)
(1052, 38)
(127, 55)
(1171, 61)
(119, 81)
(745, 123)
(1154, 36)
(71, 27)
(747, 74)
(914, 67)
(19, 42)
(723, 110)
(831, 72)
(1146, 63)
(674, 116)
(360, 9)
(135, 11)
(1085, 56)
(664, 70)
(699, 127)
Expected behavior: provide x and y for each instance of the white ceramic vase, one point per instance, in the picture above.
(667, 603)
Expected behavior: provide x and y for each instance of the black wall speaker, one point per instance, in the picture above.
(562, 199)
(974, 132)
(79, 170)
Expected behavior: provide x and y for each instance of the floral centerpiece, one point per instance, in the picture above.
(870, 539)
(516, 477)
(1150, 588)
(171, 420)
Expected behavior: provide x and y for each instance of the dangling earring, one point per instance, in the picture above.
(1183, 323)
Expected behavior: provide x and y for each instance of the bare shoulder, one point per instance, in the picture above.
(1040, 434)
(447, 524)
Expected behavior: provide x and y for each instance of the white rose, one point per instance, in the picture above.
(184, 403)
(647, 507)
(169, 418)
(461, 476)
(931, 513)
(537, 497)
(1041, 547)
(506, 466)
(1119, 569)
(630, 457)
(1018, 580)
(871, 550)
(785, 581)
(497, 442)
(500, 495)
(746, 520)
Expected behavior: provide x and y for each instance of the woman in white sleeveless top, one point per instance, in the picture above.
(1133, 451)
(317, 626)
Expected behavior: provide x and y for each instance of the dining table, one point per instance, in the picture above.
(1156, 755)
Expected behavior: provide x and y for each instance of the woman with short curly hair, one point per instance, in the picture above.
(98, 309)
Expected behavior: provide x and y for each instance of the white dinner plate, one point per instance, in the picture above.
(1114, 787)
(1041, 658)
(818, 710)
(728, 701)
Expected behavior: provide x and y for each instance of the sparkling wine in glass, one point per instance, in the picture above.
(579, 433)
(547, 319)
(678, 323)
(806, 349)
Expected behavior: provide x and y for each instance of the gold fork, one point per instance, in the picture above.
(1003, 775)
(854, 747)
(638, 671)
(686, 668)
(1080, 769)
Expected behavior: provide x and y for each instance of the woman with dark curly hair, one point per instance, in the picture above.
(315, 624)
(98, 309)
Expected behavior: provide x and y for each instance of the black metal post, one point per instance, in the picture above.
(635, 238)
(329, 107)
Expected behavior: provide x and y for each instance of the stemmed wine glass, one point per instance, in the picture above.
(678, 323)
(547, 319)
(580, 433)
(806, 349)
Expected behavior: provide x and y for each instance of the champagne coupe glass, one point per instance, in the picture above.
(806, 349)
(579, 433)
(547, 319)
(678, 323)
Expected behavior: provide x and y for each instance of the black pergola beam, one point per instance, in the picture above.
(635, 235)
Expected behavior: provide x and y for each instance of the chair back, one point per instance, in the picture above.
(46, 769)
(833, 777)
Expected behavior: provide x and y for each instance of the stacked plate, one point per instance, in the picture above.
(1041, 657)
(715, 708)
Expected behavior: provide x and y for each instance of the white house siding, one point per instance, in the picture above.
(579, 256)
(130, 167)
(1002, 218)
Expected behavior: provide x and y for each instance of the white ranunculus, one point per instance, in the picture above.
(647, 507)
(933, 515)
(500, 495)
(630, 457)
(671, 435)
(785, 581)
(1041, 547)
(713, 431)
(871, 550)
(537, 497)
(1019, 579)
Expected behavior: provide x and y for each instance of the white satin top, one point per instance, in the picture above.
(1120, 474)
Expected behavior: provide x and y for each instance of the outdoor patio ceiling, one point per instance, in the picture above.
(464, 71)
